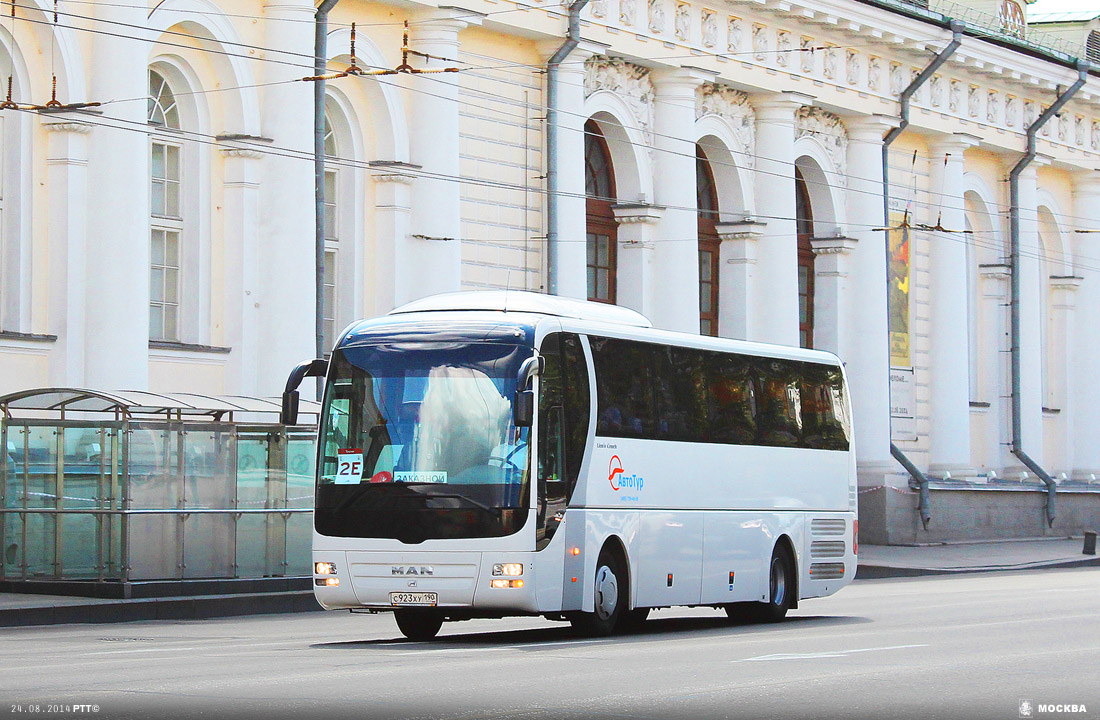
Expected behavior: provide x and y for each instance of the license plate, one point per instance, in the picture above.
(413, 598)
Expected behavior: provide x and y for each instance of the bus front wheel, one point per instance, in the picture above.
(418, 624)
(610, 597)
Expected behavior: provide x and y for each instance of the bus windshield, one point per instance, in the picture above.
(418, 442)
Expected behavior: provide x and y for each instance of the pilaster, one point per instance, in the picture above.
(393, 188)
(949, 442)
(67, 181)
(1086, 338)
(1031, 350)
(832, 292)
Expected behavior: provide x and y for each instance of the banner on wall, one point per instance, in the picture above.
(898, 292)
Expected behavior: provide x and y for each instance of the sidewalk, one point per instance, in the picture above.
(875, 562)
(887, 561)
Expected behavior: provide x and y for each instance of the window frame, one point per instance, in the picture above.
(600, 220)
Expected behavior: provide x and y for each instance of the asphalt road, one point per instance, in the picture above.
(968, 646)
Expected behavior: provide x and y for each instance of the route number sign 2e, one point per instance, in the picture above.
(349, 466)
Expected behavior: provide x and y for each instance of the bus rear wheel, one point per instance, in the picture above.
(418, 624)
(781, 586)
(610, 598)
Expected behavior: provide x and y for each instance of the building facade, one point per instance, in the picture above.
(720, 168)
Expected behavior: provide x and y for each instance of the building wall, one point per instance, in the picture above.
(440, 184)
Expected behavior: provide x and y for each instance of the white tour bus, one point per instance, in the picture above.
(487, 454)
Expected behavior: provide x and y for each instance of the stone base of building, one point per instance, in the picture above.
(889, 514)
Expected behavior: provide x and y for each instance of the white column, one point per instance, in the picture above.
(116, 311)
(67, 182)
(638, 229)
(832, 293)
(434, 248)
(867, 351)
(1031, 350)
(736, 276)
(244, 253)
(572, 233)
(775, 311)
(949, 441)
(393, 183)
(286, 282)
(677, 250)
(1085, 387)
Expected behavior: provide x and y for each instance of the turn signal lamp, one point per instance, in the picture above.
(324, 568)
(327, 582)
(508, 569)
(855, 537)
(506, 583)
(575, 551)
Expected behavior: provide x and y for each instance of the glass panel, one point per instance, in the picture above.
(156, 322)
(300, 468)
(624, 387)
(252, 494)
(155, 482)
(591, 282)
(172, 248)
(157, 203)
(602, 251)
(172, 201)
(12, 556)
(158, 160)
(156, 286)
(299, 539)
(208, 484)
(601, 285)
(171, 285)
(171, 313)
(157, 243)
(173, 153)
(590, 248)
(41, 467)
(80, 545)
(41, 539)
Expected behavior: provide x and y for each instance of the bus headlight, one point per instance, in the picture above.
(324, 568)
(508, 569)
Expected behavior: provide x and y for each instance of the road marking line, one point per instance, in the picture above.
(825, 654)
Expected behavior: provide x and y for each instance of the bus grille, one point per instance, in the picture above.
(828, 526)
(827, 571)
(827, 549)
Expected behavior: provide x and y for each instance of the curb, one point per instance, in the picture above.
(881, 572)
(180, 608)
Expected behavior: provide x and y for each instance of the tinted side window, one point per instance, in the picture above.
(576, 407)
(779, 407)
(825, 421)
(624, 388)
(731, 399)
(680, 383)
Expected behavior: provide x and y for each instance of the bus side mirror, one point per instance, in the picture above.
(523, 409)
(288, 414)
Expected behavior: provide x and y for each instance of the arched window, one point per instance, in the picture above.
(707, 203)
(166, 218)
(601, 228)
(804, 221)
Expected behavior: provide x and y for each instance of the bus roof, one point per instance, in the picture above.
(527, 302)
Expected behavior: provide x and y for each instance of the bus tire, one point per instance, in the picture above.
(418, 624)
(610, 598)
(781, 588)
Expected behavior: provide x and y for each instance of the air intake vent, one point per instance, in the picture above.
(828, 526)
(827, 549)
(826, 571)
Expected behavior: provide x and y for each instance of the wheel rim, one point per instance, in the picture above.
(607, 592)
(778, 582)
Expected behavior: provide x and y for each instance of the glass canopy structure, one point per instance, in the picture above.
(131, 486)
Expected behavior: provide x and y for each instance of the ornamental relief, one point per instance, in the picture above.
(709, 29)
(630, 82)
(656, 16)
(828, 130)
(733, 106)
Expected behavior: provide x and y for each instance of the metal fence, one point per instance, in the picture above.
(132, 500)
